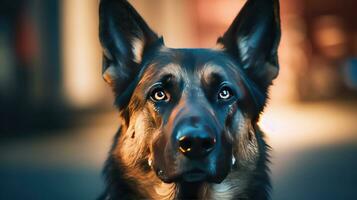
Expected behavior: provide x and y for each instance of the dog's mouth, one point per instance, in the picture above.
(195, 175)
(194, 171)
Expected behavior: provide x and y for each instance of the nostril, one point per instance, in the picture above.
(208, 144)
(196, 147)
(185, 144)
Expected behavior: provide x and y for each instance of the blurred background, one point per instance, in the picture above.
(56, 115)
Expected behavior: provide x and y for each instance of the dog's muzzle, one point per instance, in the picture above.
(196, 149)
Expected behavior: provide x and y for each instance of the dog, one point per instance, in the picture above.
(188, 117)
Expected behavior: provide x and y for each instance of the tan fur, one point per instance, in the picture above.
(138, 48)
(209, 69)
(130, 150)
(172, 69)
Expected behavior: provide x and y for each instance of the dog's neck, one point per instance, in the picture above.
(180, 191)
(190, 190)
(148, 186)
(238, 185)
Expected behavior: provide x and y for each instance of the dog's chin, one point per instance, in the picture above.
(193, 176)
(193, 171)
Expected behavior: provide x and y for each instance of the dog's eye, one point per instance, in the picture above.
(225, 93)
(159, 94)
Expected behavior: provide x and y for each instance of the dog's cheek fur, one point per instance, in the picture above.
(133, 151)
(246, 154)
(132, 146)
(246, 150)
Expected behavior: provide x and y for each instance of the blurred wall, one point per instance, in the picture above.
(30, 69)
(81, 52)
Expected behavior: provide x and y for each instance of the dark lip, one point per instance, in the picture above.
(195, 175)
(195, 171)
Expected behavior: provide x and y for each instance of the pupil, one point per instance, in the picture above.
(224, 93)
(160, 94)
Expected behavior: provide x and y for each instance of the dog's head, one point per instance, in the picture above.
(187, 113)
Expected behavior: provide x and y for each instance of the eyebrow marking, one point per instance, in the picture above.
(210, 69)
(171, 69)
(154, 72)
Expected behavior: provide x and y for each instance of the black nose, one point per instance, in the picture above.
(196, 146)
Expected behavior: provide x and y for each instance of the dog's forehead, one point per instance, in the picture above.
(189, 64)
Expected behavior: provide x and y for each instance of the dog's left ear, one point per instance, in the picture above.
(253, 38)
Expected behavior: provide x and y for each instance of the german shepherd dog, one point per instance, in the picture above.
(188, 117)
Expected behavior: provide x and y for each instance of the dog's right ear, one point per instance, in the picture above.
(125, 37)
(253, 39)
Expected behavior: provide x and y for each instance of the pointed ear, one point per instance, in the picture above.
(253, 38)
(125, 37)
